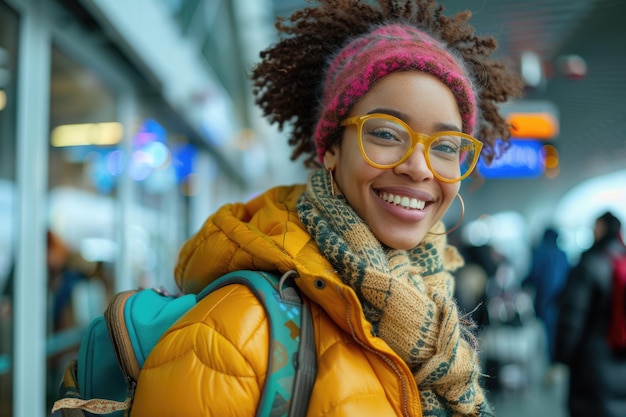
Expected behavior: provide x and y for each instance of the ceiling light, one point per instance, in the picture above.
(99, 134)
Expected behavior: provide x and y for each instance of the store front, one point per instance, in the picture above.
(107, 189)
(98, 190)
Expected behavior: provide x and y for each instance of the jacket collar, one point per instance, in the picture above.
(266, 234)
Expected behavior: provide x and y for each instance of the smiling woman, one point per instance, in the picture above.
(386, 100)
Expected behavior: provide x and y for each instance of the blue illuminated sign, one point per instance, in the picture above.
(523, 159)
(184, 157)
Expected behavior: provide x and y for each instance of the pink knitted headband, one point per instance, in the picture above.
(385, 50)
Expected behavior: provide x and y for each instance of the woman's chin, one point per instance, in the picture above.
(402, 240)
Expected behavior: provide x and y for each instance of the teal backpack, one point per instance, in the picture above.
(101, 381)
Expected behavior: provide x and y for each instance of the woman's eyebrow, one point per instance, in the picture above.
(395, 113)
(437, 127)
(441, 127)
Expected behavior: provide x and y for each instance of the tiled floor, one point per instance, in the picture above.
(547, 398)
(521, 384)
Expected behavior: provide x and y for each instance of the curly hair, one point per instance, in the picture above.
(288, 82)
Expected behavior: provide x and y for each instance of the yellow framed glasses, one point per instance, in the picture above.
(386, 142)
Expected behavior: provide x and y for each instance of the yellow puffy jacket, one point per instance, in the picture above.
(213, 361)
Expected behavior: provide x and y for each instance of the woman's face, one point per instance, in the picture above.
(427, 106)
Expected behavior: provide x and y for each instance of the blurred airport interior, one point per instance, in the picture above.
(123, 124)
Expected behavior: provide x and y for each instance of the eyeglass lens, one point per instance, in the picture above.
(386, 142)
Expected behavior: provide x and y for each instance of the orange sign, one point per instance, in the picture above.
(533, 125)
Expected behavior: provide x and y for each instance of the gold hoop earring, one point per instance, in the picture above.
(332, 181)
(458, 223)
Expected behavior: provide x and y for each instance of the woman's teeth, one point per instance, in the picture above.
(406, 202)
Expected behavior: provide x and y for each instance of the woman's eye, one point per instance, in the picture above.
(386, 134)
(445, 146)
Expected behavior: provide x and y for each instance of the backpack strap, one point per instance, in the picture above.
(139, 318)
(306, 368)
(292, 360)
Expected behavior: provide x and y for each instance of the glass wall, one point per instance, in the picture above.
(160, 166)
(110, 171)
(84, 162)
(93, 164)
(8, 212)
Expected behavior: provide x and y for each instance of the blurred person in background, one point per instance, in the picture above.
(66, 269)
(473, 278)
(597, 384)
(546, 279)
(357, 80)
(68, 274)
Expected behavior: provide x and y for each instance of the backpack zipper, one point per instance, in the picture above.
(116, 323)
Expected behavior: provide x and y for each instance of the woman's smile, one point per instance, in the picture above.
(405, 202)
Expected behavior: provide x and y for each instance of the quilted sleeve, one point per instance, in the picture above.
(212, 362)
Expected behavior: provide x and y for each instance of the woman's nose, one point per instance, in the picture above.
(415, 166)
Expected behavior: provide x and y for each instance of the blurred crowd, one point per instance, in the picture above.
(551, 325)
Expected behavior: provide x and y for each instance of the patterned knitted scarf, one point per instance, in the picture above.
(406, 296)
